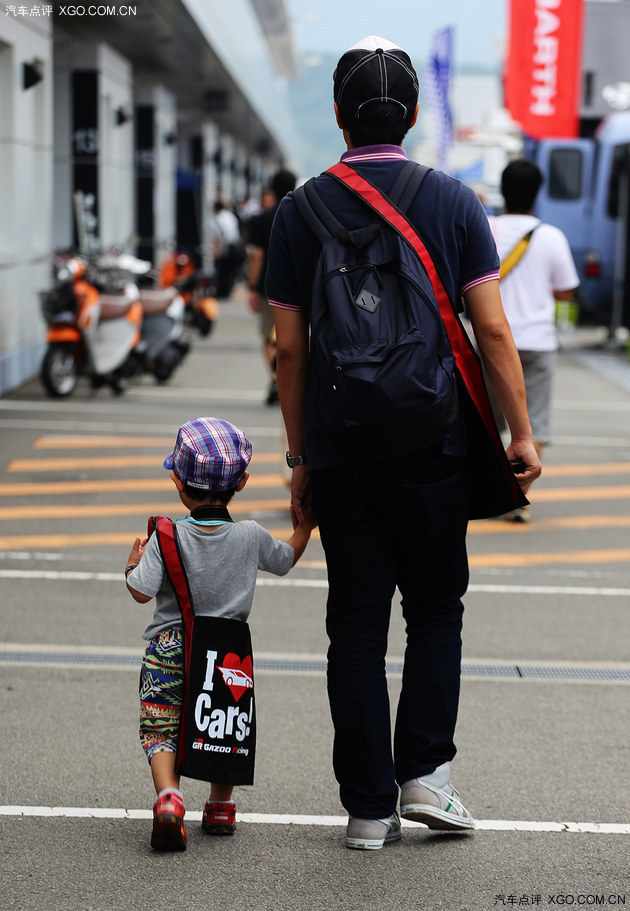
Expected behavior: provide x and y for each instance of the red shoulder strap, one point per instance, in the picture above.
(169, 549)
(467, 361)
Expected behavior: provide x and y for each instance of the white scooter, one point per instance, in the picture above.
(164, 344)
(89, 333)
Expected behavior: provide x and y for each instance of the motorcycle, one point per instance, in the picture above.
(164, 344)
(202, 308)
(88, 333)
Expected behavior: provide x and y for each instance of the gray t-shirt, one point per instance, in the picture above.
(221, 564)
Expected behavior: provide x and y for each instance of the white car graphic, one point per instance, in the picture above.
(233, 677)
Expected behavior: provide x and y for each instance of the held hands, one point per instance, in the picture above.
(301, 513)
(525, 452)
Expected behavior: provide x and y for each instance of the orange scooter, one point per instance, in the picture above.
(89, 334)
(202, 308)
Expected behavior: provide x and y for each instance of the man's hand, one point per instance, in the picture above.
(525, 451)
(254, 301)
(300, 495)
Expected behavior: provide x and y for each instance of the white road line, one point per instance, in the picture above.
(599, 406)
(123, 659)
(79, 576)
(137, 396)
(585, 442)
(287, 819)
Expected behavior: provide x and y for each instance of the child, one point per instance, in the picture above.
(208, 465)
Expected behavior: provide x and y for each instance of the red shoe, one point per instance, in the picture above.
(169, 832)
(219, 818)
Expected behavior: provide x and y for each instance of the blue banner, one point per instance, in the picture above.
(437, 84)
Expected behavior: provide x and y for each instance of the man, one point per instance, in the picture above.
(397, 520)
(282, 183)
(534, 275)
(226, 248)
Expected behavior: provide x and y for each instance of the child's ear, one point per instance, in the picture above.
(177, 482)
(242, 482)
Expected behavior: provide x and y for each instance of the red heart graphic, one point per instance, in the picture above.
(238, 675)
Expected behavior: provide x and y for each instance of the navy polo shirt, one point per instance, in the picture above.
(448, 217)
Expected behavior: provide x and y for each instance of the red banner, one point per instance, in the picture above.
(543, 72)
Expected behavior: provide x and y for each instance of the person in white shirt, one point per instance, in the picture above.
(226, 248)
(543, 273)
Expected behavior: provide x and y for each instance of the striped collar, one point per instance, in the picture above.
(374, 153)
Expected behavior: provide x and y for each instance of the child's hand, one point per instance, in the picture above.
(136, 551)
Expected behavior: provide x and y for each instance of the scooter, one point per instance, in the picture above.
(164, 344)
(202, 308)
(89, 333)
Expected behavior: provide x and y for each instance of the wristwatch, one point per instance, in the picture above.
(294, 461)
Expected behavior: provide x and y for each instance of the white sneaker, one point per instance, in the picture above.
(434, 801)
(522, 515)
(372, 834)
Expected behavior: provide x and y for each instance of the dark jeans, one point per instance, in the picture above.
(398, 523)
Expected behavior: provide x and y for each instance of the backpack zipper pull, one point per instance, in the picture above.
(376, 275)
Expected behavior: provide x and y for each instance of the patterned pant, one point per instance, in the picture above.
(161, 693)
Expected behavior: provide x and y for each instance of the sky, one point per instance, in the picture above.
(332, 26)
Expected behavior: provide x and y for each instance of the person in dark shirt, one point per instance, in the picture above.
(390, 519)
(282, 183)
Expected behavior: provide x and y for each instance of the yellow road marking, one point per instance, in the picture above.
(568, 471)
(577, 523)
(244, 507)
(138, 485)
(96, 511)
(566, 494)
(98, 539)
(73, 442)
(45, 488)
(477, 561)
(83, 463)
(483, 561)
(166, 443)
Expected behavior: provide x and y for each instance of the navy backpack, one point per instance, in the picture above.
(381, 365)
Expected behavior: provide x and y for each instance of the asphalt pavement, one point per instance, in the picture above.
(543, 735)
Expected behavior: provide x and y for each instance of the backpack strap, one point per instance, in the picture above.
(468, 363)
(407, 183)
(325, 225)
(315, 213)
(515, 255)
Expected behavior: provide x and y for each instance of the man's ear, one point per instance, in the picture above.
(415, 116)
(340, 122)
(177, 482)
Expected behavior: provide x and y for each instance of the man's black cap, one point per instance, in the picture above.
(371, 73)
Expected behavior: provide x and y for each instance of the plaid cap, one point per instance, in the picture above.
(210, 453)
(375, 71)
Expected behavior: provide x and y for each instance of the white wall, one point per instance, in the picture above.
(233, 30)
(210, 136)
(25, 195)
(116, 173)
(115, 157)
